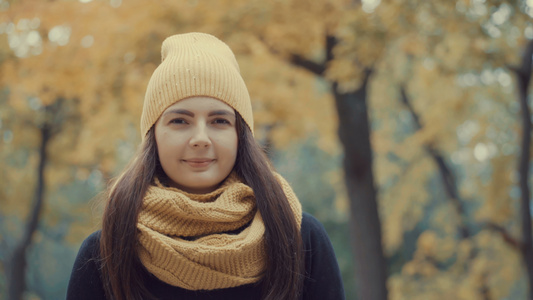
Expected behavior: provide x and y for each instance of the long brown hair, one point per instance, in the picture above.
(122, 270)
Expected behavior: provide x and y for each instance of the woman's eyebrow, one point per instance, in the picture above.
(180, 111)
(221, 113)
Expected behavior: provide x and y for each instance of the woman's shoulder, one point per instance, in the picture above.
(90, 247)
(85, 281)
(323, 277)
(311, 225)
(93, 239)
(314, 235)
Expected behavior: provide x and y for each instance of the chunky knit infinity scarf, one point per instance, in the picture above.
(205, 242)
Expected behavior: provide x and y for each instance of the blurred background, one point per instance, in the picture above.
(404, 126)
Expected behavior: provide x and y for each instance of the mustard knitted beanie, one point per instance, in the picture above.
(195, 64)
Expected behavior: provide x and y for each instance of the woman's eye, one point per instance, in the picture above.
(221, 121)
(178, 121)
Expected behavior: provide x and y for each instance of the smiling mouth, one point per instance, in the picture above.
(198, 163)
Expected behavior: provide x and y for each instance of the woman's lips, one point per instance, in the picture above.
(198, 163)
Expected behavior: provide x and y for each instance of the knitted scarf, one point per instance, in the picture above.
(208, 241)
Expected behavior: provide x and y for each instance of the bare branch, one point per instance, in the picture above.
(313, 67)
(447, 175)
(506, 236)
(331, 42)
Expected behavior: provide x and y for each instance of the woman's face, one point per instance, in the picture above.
(197, 143)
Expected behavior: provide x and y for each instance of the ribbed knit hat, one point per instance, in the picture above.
(195, 64)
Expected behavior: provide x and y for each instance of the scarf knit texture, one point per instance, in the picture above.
(193, 241)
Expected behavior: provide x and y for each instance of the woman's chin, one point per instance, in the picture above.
(191, 185)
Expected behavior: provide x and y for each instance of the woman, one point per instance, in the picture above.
(199, 213)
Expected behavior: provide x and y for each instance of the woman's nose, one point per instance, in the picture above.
(200, 138)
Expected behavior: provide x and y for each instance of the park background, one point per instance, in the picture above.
(420, 108)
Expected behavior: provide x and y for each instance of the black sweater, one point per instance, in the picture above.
(323, 280)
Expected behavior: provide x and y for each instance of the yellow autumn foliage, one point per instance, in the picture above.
(453, 69)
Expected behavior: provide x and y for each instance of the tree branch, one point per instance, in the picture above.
(331, 42)
(447, 175)
(316, 68)
(313, 67)
(506, 236)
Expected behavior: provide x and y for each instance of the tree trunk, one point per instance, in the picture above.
(354, 133)
(17, 264)
(523, 79)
